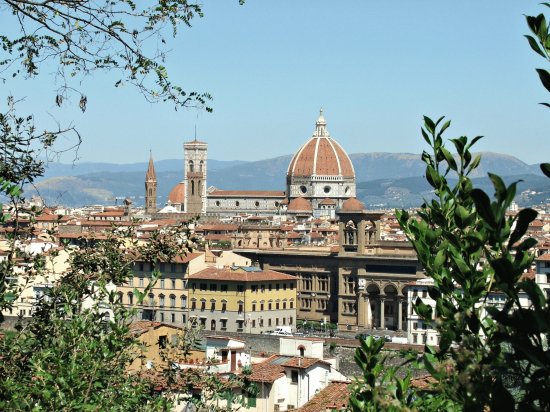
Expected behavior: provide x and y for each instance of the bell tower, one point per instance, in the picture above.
(195, 156)
(150, 188)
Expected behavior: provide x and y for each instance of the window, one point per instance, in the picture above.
(424, 293)
(161, 300)
(162, 316)
(269, 322)
(131, 281)
(284, 286)
(173, 283)
(213, 287)
(223, 288)
(240, 325)
(276, 321)
(284, 321)
(254, 288)
(212, 305)
(162, 284)
(172, 267)
(240, 288)
(237, 204)
(151, 299)
(183, 319)
(262, 306)
(262, 288)
(224, 305)
(173, 317)
(140, 282)
(277, 305)
(284, 304)
(162, 341)
(203, 305)
(183, 300)
(254, 323)
(276, 286)
(290, 320)
(162, 267)
(291, 303)
(193, 304)
(202, 286)
(269, 287)
(130, 298)
(269, 306)
(292, 286)
(241, 307)
(224, 327)
(294, 376)
(172, 301)
(254, 307)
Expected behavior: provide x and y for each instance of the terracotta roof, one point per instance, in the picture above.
(220, 227)
(545, 257)
(327, 201)
(151, 175)
(302, 363)
(352, 205)
(246, 193)
(300, 204)
(266, 371)
(239, 275)
(334, 397)
(141, 326)
(321, 155)
(177, 194)
(110, 213)
(423, 382)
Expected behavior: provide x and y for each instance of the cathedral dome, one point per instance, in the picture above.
(177, 194)
(352, 205)
(321, 156)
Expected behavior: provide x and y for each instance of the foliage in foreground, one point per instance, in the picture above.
(493, 357)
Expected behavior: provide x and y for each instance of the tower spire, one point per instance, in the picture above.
(151, 175)
(321, 125)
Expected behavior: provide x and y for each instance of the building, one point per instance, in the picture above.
(167, 301)
(242, 299)
(294, 377)
(320, 177)
(543, 273)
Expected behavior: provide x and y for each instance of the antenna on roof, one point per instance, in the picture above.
(195, 132)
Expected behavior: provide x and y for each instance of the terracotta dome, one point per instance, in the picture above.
(321, 156)
(352, 205)
(177, 194)
(299, 204)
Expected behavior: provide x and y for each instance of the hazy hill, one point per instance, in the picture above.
(383, 178)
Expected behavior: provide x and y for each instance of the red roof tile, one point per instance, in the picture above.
(334, 397)
(239, 275)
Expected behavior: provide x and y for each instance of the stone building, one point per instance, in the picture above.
(320, 177)
(361, 284)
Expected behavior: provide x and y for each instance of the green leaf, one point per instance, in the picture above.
(544, 78)
(498, 184)
(524, 217)
(534, 45)
(429, 124)
(483, 206)
(545, 167)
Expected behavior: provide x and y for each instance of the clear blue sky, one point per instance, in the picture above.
(375, 67)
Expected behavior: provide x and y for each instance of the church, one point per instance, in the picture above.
(320, 177)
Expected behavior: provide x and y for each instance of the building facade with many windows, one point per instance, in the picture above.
(242, 299)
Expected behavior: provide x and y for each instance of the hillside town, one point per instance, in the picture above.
(270, 279)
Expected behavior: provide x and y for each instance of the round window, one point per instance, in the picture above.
(257, 204)
(303, 189)
(348, 190)
(217, 202)
(276, 204)
(326, 189)
(237, 203)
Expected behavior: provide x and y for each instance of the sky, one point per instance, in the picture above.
(376, 67)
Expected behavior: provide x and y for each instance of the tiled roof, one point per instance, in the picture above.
(239, 275)
(321, 156)
(266, 371)
(177, 194)
(352, 205)
(334, 397)
(300, 204)
(327, 201)
(545, 257)
(246, 193)
(151, 175)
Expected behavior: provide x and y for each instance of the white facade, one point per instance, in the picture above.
(420, 332)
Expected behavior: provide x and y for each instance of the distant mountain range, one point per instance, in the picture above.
(384, 179)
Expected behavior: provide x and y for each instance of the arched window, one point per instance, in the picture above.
(172, 301)
(191, 166)
(192, 187)
(183, 299)
(130, 298)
